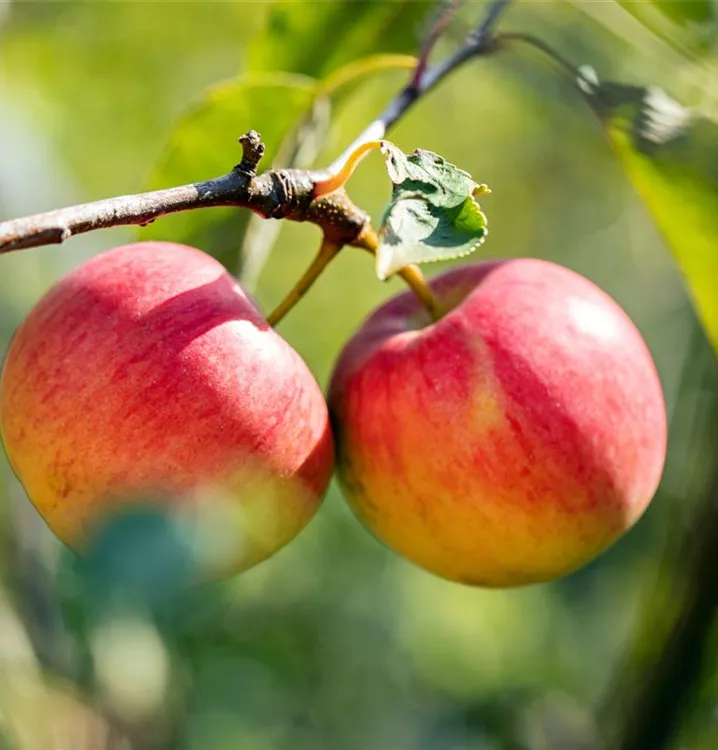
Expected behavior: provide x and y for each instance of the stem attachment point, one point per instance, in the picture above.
(337, 176)
(411, 275)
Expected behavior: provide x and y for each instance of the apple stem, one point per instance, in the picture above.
(338, 174)
(327, 252)
(411, 275)
(418, 284)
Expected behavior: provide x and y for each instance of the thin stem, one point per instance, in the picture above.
(479, 43)
(411, 275)
(486, 27)
(416, 281)
(439, 26)
(359, 68)
(337, 179)
(538, 44)
(327, 252)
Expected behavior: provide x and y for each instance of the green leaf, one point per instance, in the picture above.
(687, 24)
(433, 214)
(203, 144)
(316, 38)
(683, 12)
(670, 154)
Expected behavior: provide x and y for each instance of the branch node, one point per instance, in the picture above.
(252, 152)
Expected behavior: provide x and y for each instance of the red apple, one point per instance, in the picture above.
(148, 372)
(508, 443)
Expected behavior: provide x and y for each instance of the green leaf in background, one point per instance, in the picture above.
(316, 38)
(683, 12)
(690, 24)
(433, 214)
(670, 154)
(203, 144)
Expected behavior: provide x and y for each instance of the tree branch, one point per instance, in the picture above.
(57, 226)
(508, 37)
(438, 27)
(425, 79)
(274, 194)
(241, 187)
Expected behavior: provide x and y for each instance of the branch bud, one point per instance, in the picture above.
(252, 152)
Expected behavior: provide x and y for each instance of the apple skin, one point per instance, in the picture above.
(508, 443)
(148, 372)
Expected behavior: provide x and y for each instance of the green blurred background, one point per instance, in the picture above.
(336, 643)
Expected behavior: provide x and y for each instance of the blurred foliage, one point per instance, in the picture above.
(294, 39)
(671, 156)
(335, 642)
(690, 24)
(687, 28)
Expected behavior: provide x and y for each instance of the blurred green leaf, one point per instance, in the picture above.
(683, 12)
(203, 144)
(685, 23)
(670, 154)
(433, 214)
(143, 552)
(316, 38)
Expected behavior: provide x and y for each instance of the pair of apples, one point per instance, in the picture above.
(508, 443)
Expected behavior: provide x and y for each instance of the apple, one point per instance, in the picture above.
(508, 443)
(148, 373)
